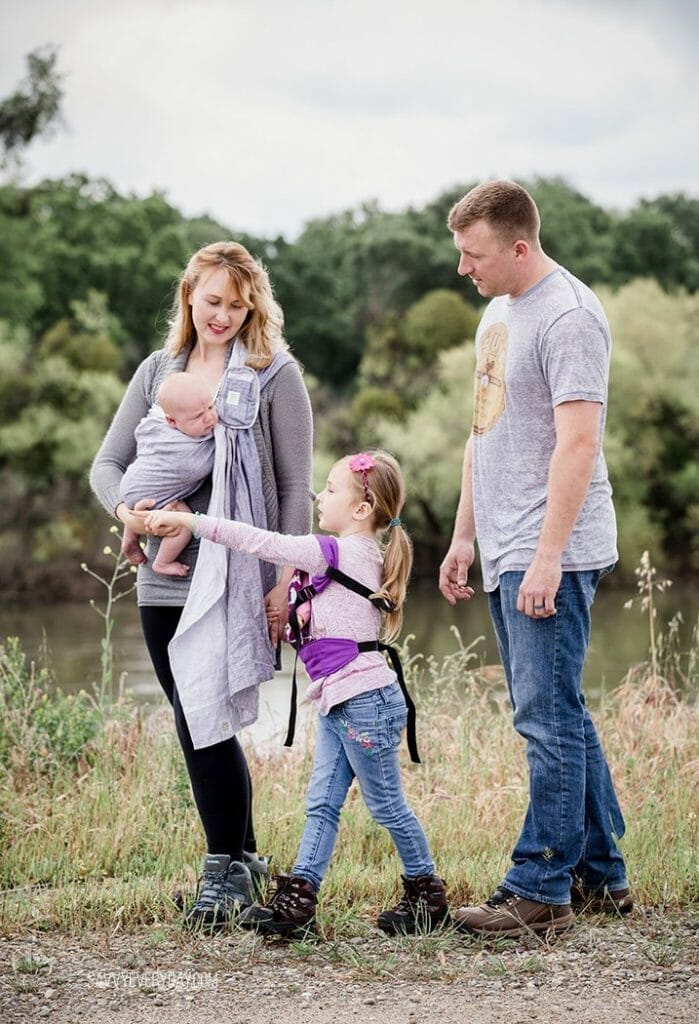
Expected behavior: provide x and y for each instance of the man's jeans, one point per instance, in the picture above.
(573, 816)
(360, 738)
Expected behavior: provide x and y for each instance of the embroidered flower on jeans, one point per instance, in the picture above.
(362, 738)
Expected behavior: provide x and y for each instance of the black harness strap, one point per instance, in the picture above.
(383, 604)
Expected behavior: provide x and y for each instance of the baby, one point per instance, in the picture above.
(174, 455)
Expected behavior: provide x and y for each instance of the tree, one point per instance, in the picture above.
(33, 109)
(646, 243)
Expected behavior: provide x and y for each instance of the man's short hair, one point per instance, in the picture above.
(504, 205)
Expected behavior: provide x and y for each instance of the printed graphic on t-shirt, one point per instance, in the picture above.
(489, 384)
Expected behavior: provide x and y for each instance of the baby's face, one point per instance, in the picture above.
(196, 418)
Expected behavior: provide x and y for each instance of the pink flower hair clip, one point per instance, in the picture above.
(362, 463)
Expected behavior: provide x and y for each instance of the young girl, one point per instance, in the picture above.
(362, 709)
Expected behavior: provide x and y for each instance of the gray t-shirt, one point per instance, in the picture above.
(548, 346)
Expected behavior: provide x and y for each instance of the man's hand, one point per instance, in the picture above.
(537, 592)
(453, 572)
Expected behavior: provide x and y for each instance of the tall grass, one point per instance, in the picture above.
(97, 825)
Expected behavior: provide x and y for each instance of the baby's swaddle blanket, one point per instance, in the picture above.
(169, 465)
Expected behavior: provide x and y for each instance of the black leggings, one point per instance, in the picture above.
(218, 774)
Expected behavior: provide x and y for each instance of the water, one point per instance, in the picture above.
(72, 632)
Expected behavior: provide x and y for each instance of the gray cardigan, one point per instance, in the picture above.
(283, 435)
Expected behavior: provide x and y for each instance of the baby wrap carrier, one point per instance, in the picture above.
(326, 655)
(169, 465)
(221, 650)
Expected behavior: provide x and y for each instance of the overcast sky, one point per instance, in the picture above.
(268, 113)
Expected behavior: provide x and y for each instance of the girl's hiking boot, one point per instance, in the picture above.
(509, 916)
(290, 912)
(225, 888)
(601, 900)
(422, 908)
(259, 869)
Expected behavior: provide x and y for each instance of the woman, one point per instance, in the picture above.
(226, 331)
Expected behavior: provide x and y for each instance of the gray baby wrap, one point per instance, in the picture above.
(221, 651)
(169, 465)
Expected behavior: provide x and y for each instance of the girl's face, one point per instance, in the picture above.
(217, 312)
(342, 508)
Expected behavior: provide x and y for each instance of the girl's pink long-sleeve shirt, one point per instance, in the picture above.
(336, 612)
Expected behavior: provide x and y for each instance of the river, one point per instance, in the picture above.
(71, 634)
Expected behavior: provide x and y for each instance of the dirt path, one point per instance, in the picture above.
(604, 973)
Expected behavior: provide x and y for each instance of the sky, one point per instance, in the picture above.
(266, 114)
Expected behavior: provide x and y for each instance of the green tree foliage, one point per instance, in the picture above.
(653, 418)
(32, 110)
(375, 311)
(83, 236)
(52, 419)
(574, 231)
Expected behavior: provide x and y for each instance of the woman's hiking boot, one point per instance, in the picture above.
(259, 869)
(290, 912)
(225, 888)
(422, 908)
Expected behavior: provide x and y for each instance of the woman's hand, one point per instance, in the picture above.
(133, 526)
(277, 610)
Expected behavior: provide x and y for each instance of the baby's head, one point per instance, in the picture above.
(187, 404)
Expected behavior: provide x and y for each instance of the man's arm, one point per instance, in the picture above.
(570, 472)
(453, 572)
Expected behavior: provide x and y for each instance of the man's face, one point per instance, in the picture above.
(487, 260)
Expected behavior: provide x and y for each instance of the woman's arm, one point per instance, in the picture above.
(291, 426)
(118, 448)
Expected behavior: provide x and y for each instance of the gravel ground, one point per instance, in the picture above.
(644, 969)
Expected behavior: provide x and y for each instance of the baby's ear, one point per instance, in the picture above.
(169, 420)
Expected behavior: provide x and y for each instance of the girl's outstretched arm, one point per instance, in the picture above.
(279, 548)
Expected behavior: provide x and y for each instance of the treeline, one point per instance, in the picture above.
(377, 315)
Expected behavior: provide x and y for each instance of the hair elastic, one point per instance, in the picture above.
(394, 522)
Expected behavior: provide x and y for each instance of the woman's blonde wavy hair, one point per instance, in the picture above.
(386, 491)
(261, 332)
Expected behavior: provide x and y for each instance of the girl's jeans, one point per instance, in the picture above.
(360, 738)
(573, 818)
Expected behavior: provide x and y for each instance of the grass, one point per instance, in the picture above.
(98, 829)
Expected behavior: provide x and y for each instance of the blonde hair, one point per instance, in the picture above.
(386, 492)
(261, 332)
(504, 205)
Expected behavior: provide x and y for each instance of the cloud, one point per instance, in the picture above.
(269, 113)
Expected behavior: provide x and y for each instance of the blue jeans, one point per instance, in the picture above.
(360, 738)
(573, 818)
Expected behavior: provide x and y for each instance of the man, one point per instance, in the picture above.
(535, 493)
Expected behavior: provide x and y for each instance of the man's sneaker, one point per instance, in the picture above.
(225, 888)
(506, 915)
(290, 912)
(422, 908)
(587, 899)
(259, 869)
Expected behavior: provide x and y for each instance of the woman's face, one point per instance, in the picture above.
(217, 312)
